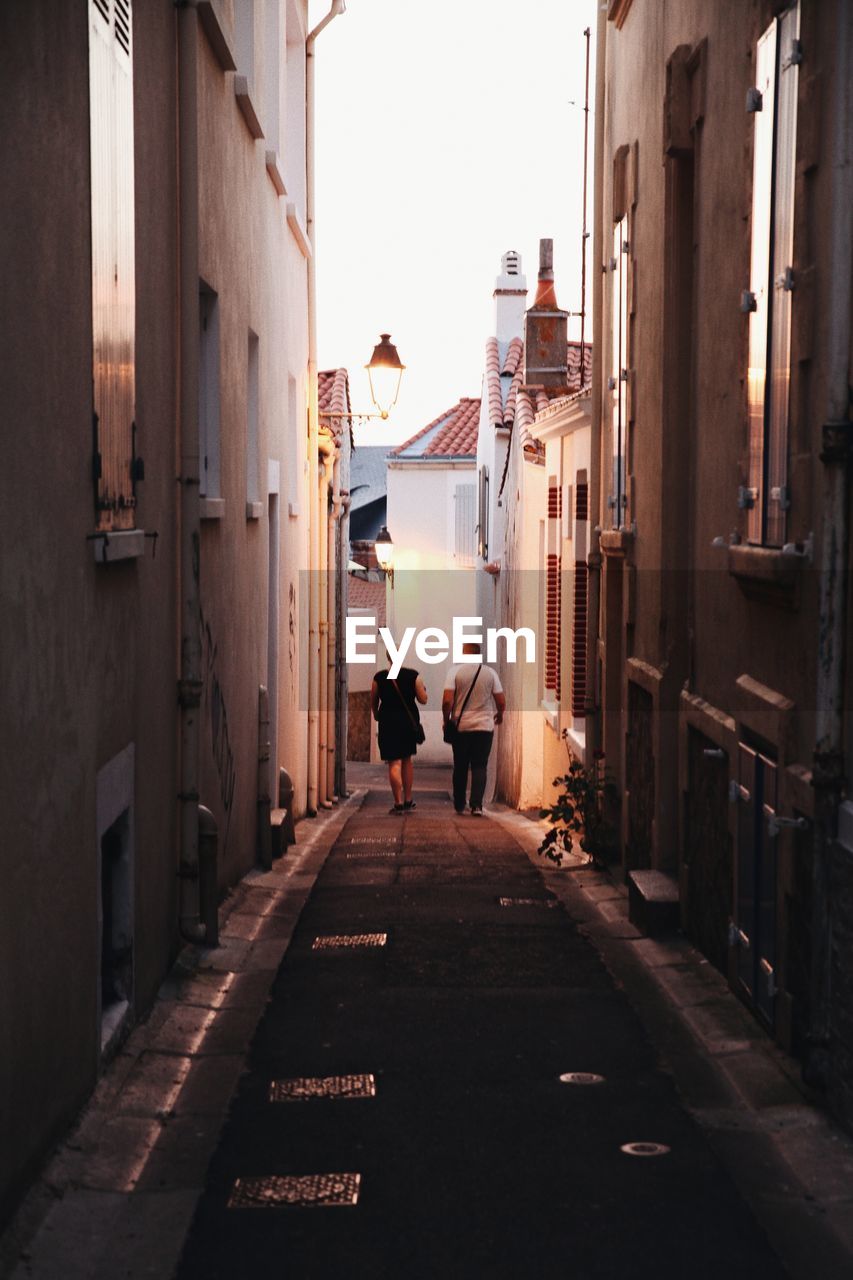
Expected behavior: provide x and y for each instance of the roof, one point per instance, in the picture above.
(453, 434)
(505, 370)
(366, 594)
(333, 397)
(368, 475)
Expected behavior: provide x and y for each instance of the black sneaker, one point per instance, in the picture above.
(397, 808)
(408, 805)
(476, 813)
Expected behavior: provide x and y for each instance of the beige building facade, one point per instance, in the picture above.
(720, 486)
(162, 574)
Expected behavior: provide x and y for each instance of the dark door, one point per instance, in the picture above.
(708, 848)
(640, 776)
(755, 914)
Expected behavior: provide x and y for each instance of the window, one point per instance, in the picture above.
(553, 592)
(766, 495)
(208, 394)
(483, 513)
(465, 499)
(115, 468)
(618, 380)
(253, 493)
(295, 88)
(244, 23)
(272, 55)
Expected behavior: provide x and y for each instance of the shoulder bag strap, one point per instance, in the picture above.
(468, 694)
(406, 707)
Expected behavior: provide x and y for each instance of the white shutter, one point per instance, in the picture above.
(113, 261)
(466, 506)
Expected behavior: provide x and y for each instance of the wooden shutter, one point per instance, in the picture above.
(553, 590)
(483, 514)
(771, 278)
(618, 380)
(581, 587)
(782, 275)
(115, 469)
(466, 498)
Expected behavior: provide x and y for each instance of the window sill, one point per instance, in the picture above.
(214, 27)
(211, 508)
(297, 227)
(244, 102)
(254, 510)
(274, 170)
(615, 542)
(576, 738)
(551, 712)
(767, 574)
(124, 544)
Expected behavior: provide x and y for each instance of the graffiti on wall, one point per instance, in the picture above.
(217, 717)
(291, 623)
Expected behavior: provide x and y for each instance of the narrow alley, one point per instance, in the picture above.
(409, 1071)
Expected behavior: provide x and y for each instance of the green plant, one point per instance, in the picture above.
(579, 814)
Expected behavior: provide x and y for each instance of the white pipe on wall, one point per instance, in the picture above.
(315, 512)
(829, 767)
(190, 683)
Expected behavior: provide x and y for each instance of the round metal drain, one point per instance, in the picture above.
(581, 1077)
(645, 1149)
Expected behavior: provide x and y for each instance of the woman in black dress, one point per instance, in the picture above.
(394, 704)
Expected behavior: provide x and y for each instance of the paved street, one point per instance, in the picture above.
(472, 1157)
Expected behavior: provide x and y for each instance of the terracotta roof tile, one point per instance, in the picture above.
(493, 383)
(333, 397)
(514, 352)
(453, 434)
(366, 594)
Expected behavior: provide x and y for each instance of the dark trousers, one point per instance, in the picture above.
(471, 751)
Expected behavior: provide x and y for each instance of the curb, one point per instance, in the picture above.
(791, 1164)
(132, 1166)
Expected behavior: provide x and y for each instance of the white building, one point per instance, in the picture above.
(432, 493)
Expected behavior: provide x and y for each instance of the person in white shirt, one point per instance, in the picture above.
(474, 702)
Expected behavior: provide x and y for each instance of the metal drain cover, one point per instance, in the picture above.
(645, 1149)
(373, 840)
(304, 1088)
(372, 853)
(311, 1191)
(526, 902)
(336, 941)
(581, 1077)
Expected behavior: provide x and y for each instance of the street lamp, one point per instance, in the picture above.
(385, 553)
(384, 371)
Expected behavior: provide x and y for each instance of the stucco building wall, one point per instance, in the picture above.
(710, 645)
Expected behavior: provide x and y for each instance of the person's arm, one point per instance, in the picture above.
(374, 700)
(500, 703)
(448, 695)
(420, 691)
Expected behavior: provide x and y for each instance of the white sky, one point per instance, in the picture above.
(445, 136)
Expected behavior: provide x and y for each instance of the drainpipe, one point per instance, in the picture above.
(837, 439)
(323, 602)
(331, 612)
(338, 6)
(341, 687)
(190, 682)
(593, 698)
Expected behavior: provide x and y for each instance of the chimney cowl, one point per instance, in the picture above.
(546, 329)
(546, 297)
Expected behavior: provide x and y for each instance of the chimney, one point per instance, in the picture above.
(510, 297)
(546, 329)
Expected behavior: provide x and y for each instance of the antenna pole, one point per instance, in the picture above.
(584, 233)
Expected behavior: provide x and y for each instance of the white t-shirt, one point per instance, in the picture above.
(480, 709)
